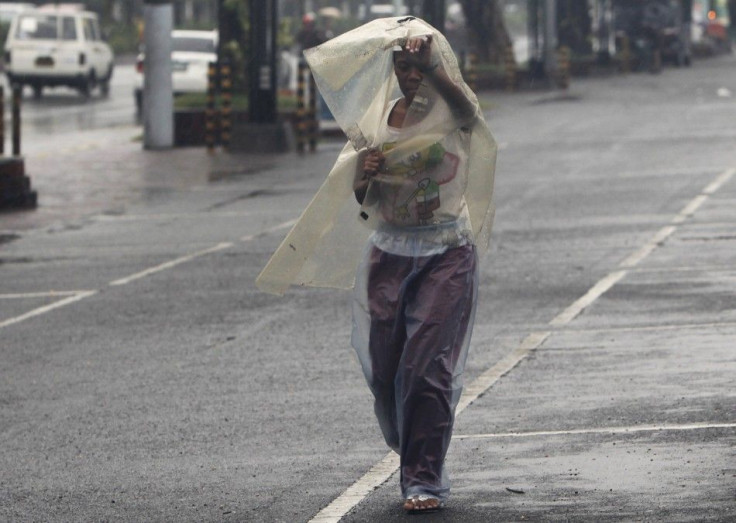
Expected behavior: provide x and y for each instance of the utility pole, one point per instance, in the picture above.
(158, 97)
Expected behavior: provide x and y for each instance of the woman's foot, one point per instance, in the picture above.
(422, 503)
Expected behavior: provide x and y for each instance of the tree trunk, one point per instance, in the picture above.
(574, 26)
(732, 18)
(487, 29)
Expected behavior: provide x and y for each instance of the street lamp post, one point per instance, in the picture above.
(262, 71)
(263, 132)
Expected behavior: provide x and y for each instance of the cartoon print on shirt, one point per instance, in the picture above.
(437, 167)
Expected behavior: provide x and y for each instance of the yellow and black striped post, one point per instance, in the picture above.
(226, 101)
(2, 120)
(563, 66)
(17, 95)
(625, 54)
(471, 72)
(509, 63)
(313, 123)
(210, 113)
(300, 122)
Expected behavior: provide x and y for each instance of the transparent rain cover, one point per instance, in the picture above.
(354, 73)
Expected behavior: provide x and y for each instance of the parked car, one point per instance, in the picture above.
(53, 46)
(192, 51)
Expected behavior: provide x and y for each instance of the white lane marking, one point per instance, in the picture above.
(649, 247)
(189, 257)
(341, 505)
(719, 182)
(587, 299)
(371, 480)
(380, 473)
(47, 294)
(602, 430)
(46, 308)
(642, 253)
(176, 215)
(75, 296)
(704, 269)
(484, 382)
(642, 328)
(171, 263)
(275, 228)
(690, 209)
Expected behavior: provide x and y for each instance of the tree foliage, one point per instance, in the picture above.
(487, 29)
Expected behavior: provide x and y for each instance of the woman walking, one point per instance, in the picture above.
(420, 162)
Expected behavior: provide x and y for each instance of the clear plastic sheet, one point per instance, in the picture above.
(425, 217)
(412, 323)
(354, 73)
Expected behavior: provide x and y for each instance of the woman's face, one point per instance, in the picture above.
(406, 68)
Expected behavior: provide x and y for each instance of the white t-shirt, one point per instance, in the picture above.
(420, 202)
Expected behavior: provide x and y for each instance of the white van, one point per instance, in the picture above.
(57, 46)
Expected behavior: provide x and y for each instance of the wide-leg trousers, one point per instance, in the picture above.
(413, 318)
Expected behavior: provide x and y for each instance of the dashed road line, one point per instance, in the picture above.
(663, 327)
(719, 182)
(595, 292)
(170, 264)
(47, 294)
(275, 228)
(600, 430)
(75, 296)
(649, 247)
(47, 308)
(359, 490)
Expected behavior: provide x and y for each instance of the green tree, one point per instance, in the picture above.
(487, 29)
(574, 26)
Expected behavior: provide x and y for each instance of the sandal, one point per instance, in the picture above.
(422, 503)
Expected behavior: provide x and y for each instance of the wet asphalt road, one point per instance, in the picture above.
(144, 378)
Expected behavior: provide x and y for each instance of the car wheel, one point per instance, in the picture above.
(84, 89)
(87, 84)
(105, 82)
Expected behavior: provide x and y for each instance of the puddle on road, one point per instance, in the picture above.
(7, 238)
(223, 174)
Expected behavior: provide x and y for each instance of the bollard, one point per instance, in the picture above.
(313, 123)
(656, 61)
(2, 120)
(210, 124)
(226, 84)
(509, 63)
(563, 66)
(472, 75)
(15, 186)
(625, 54)
(300, 110)
(17, 92)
